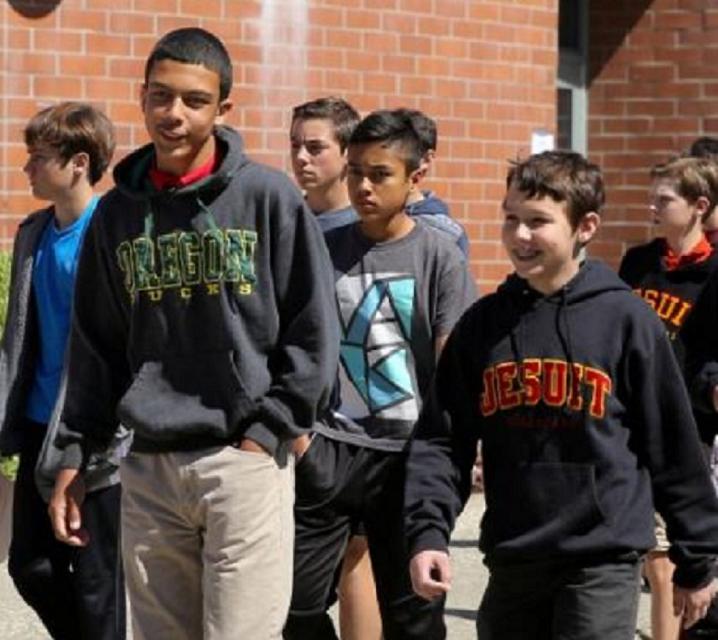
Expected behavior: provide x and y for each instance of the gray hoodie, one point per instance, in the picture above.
(203, 313)
(18, 352)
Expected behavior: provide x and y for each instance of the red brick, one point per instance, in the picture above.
(399, 23)
(65, 88)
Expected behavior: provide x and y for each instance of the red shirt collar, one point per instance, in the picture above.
(700, 252)
(163, 180)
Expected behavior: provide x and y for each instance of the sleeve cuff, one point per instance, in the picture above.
(263, 436)
(72, 457)
(429, 539)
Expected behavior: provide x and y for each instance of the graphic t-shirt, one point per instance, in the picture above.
(394, 299)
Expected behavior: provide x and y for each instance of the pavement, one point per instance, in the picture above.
(18, 622)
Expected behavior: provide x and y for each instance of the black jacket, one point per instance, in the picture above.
(570, 461)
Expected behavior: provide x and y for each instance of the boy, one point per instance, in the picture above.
(426, 205)
(670, 273)
(76, 592)
(203, 321)
(319, 136)
(400, 287)
(569, 380)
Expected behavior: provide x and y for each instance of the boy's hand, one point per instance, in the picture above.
(300, 445)
(245, 444)
(65, 508)
(430, 573)
(692, 604)
(715, 398)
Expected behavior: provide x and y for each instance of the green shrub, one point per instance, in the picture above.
(8, 466)
(4, 285)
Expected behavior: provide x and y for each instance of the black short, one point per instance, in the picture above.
(340, 486)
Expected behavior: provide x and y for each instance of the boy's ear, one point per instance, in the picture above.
(702, 206)
(224, 108)
(80, 163)
(587, 227)
(417, 175)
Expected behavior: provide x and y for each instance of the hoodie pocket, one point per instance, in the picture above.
(541, 505)
(199, 395)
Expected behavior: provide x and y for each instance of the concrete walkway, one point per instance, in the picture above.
(18, 622)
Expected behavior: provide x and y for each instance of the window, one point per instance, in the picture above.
(571, 101)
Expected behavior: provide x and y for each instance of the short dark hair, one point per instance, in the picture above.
(391, 128)
(74, 127)
(192, 45)
(339, 112)
(424, 126)
(704, 147)
(563, 176)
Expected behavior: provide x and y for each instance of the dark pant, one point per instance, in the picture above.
(78, 593)
(339, 485)
(560, 600)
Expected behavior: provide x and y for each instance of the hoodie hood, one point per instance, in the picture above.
(593, 278)
(132, 173)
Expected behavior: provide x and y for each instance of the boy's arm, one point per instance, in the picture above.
(442, 450)
(455, 292)
(700, 340)
(304, 362)
(667, 440)
(97, 365)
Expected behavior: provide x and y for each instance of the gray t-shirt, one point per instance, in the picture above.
(394, 299)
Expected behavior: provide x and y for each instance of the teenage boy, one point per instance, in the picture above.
(570, 381)
(400, 287)
(77, 592)
(669, 273)
(423, 204)
(318, 138)
(204, 321)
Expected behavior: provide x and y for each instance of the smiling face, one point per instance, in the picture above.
(181, 106)
(539, 239)
(378, 188)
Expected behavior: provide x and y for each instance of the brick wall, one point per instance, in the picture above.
(485, 70)
(653, 90)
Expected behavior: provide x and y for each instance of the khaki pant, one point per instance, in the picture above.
(207, 539)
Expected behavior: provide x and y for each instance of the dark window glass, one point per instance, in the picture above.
(564, 124)
(569, 24)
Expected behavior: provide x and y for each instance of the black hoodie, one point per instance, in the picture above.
(203, 313)
(570, 462)
(673, 294)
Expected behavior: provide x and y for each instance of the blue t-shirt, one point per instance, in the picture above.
(53, 282)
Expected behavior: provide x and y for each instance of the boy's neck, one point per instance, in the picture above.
(415, 195)
(182, 166)
(71, 206)
(332, 199)
(683, 241)
(548, 287)
(393, 228)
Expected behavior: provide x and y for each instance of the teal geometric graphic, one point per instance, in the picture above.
(374, 349)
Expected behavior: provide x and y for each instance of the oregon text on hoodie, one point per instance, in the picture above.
(202, 314)
(582, 412)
